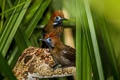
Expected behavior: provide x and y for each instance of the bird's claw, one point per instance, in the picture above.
(56, 66)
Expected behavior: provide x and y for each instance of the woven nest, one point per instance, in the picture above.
(36, 63)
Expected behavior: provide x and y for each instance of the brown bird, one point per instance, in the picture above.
(55, 23)
(62, 54)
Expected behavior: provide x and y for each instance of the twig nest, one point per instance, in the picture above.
(36, 63)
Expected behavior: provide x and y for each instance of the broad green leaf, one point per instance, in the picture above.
(90, 35)
(5, 69)
(107, 50)
(94, 41)
(37, 16)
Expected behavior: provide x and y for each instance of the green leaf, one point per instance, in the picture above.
(31, 11)
(107, 50)
(12, 59)
(86, 65)
(15, 27)
(88, 28)
(8, 11)
(79, 36)
(5, 69)
(7, 29)
(2, 17)
(94, 41)
(37, 16)
(110, 52)
(23, 41)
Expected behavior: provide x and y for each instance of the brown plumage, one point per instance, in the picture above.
(63, 54)
(55, 23)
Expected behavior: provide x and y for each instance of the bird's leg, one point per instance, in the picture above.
(57, 65)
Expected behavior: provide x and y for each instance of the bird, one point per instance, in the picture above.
(55, 23)
(62, 54)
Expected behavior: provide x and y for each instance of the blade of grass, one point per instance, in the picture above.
(10, 60)
(37, 17)
(10, 4)
(85, 71)
(90, 47)
(5, 69)
(85, 29)
(31, 11)
(21, 44)
(89, 69)
(21, 40)
(2, 17)
(109, 48)
(18, 5)
(16, 25)
(7, 29)
(84, 60)
(37, 34)
(78, 43)
(34, 38)
(87, 74)
(88, 29)
(94, 41)
(24, 41)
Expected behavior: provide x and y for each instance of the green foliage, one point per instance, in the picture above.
(20, 27)
(14, 35)
(94, 36)
(5, 69)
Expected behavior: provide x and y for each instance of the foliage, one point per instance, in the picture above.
(21, 26)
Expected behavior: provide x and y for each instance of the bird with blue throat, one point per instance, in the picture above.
(62, 54)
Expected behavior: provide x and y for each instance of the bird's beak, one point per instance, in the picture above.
(42, 40)
(64, 19)
(59, 22)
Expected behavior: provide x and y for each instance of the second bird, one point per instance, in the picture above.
(62, 54)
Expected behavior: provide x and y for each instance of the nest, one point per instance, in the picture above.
(36, 63)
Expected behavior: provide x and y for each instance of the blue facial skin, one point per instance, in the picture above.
(58, 18)
(49, 43)
(58, 21)
(49, 40)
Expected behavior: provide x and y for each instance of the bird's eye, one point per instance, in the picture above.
(49, 39)
(58, 17)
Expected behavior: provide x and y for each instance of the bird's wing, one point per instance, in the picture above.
(69, 53)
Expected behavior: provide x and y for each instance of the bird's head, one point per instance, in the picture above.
(52, 40)
(57, 18)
